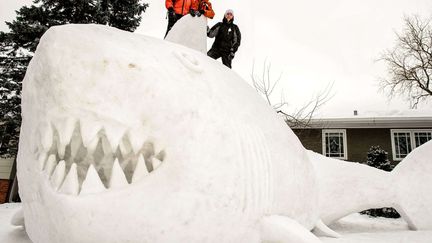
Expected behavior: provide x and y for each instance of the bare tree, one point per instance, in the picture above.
(409, 62)
(265, 84)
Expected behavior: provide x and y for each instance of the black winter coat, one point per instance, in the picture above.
(228, 36)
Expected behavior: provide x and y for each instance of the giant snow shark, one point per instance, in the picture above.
(127, 138)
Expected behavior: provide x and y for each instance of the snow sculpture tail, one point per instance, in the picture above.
(190, 32)
(347, 187)
(413, 178)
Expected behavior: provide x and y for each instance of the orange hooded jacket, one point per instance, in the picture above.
(182, 6)
(207, 7)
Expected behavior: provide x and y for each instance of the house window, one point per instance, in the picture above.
(404, 141)
(335, 143)
(422, 137)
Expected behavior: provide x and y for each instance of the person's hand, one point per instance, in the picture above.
(171, 13)
(231, 55)
(192, 13)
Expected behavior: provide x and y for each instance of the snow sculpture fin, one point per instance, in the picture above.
(18, 218)
(282, 229)
(414, 191)
(323, 230)
(190, 32)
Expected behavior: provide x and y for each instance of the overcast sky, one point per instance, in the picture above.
(314, 43)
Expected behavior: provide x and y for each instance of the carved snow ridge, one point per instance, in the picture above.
(88, 158)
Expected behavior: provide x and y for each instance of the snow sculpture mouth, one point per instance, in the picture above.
(78, 158)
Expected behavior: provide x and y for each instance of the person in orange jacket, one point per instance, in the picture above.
(179, 8)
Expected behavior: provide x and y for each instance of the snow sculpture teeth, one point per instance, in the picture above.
(156, 163)
(89, 131)
(124, 146)
(92, 183)
(140, 170)
(106, 145)
(118, 178)
(91, 146)
(50, 165)
(90, 151)
(137, 138)
(161, 155)
(75, 144)
(61, 150)
(58, 175)
(71, 185)
(41, 160)
(65, 128)
(114, 134)
(46, 136)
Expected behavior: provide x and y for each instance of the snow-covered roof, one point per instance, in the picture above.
(377, 119)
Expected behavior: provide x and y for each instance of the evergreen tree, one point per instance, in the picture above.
(11, 70)
(19, 44)
(125, 14)
(378, 158)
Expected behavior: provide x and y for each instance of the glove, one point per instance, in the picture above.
(202, 11)
(192, 13)
(231, 55)
(171, 13)
(198, 13)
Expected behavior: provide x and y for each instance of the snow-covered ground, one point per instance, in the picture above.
(354, 228)
(9, 233)
(357, 228)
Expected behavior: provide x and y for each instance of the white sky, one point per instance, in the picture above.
(313, 43)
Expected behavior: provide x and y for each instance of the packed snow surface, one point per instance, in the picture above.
(190, 32)
(354, 228)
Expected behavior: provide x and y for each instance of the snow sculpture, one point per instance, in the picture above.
(190, 32)
(127, 138)
(414, 182)
(347, 187)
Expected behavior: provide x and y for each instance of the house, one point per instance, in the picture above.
(349, 138)
(5, 170)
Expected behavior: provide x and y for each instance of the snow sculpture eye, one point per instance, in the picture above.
(189, 61)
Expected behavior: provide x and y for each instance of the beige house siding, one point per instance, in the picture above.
(5, 168)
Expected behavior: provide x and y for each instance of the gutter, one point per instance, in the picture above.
(370, 122)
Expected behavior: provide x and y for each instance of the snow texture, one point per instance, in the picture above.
(218, 157)
(358, 228)
(190, 32)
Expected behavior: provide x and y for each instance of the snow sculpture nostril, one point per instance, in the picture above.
(189, 61)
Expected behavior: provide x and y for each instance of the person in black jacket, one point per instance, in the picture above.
(228, 38)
